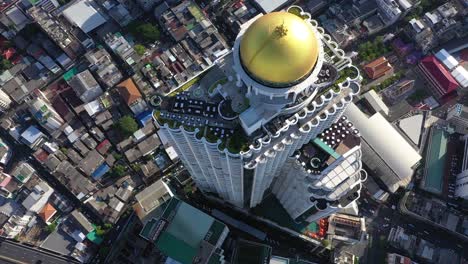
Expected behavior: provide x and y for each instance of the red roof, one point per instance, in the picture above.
(47, 212)
(41, 155)
(103, 147)
(378, 68)
(439, 74)
(9, 53)
(129, 91)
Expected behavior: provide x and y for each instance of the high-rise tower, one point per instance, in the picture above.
(241, 130)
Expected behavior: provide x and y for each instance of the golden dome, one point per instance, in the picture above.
(279, 49)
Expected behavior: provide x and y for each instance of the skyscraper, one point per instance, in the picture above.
(241, 130)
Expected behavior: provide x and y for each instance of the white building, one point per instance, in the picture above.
(38, 197)
(5, 101)
(461, 75)
(84, 15)
(448, 60)
(390, 11)
(461, 184)
(457, 116)
(385, 152)
(289, 105)
(85, 86)
(45, 114)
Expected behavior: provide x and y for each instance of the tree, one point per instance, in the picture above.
(139, 49)
(5, 65)
(118, 170)
(127, 126)
(145, 32)
(51, 228)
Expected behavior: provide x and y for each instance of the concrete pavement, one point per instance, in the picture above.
(12, 252)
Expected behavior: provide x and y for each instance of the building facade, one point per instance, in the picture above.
(461, 183)
(287, 70)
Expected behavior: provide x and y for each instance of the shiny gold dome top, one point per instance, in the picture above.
(279, 49)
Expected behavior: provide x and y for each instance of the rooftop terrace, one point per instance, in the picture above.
(329, 146)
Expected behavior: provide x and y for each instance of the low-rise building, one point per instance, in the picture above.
(378, 68)
(5, 101)
(46, 115)
(439, 79)
(57, 30)
(102, 64)
(186, 234)
(23, 172)
(394, 258)
(457, 116)
(38, 197)
(346, 228)
(84, 15)
(32, 137)
(151, 198)
(47, 213)
(132, 96)
(391, 161)
(120, 46)
(85, 86)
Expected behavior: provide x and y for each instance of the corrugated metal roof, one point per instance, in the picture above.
(385, 140)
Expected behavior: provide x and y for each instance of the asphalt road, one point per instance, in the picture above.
(11, 252)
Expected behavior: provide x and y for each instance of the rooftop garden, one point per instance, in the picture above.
(387, 82)
(238, 141)
(297, 11)
(215, 84)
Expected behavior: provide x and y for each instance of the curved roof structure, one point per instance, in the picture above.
(279, 49)
(385, 140)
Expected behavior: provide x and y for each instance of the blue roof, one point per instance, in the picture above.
(100, 171)
(144, 117)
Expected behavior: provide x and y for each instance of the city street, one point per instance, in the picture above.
(386, 217)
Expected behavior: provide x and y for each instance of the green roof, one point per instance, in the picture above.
(176, 248)
(190, 225)
(436, 157)
(148, 228)
(69, 74)
(215, 232)
(186, 228)
(93, 237)
(326, 148)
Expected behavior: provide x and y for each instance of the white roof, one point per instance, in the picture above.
(448, 60)
(417, 25)
(139, 134)
(385, 140)
(83, 15)
(461, 75)
(171, 153)
(374, 100)
(93, 107)
(405, 4)
(270, 5)
(78, 236)
(412, 127)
